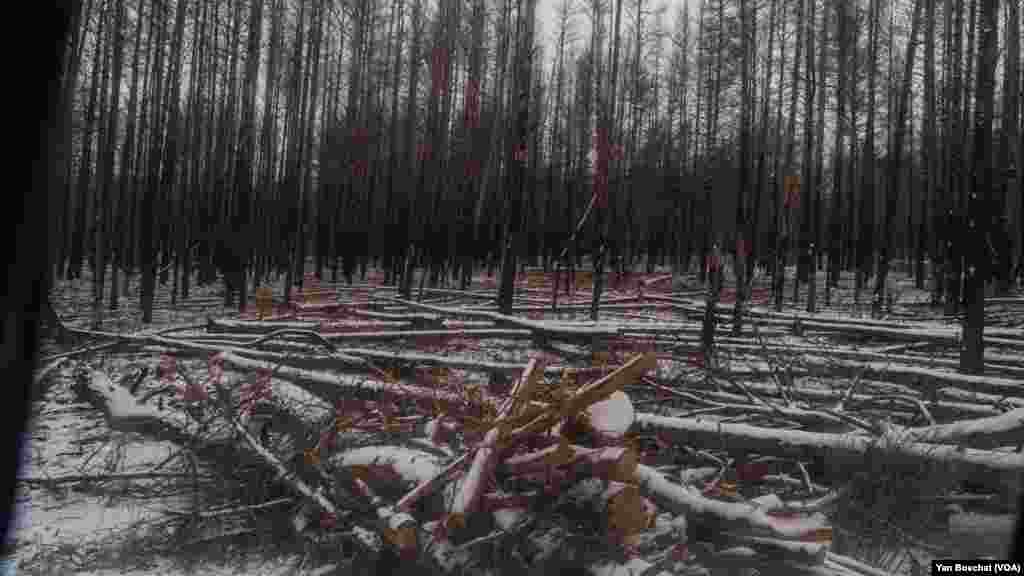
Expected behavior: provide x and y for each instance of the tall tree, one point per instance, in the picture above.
(788, 231)
(806, 247)
(1009, 145)
(979, 199)
(607, 123)
(842, 128)
(866, 235)
(745, 230)
(895, 157)
(954, 153)
(64, 184)
(929, 148)
(516, 146)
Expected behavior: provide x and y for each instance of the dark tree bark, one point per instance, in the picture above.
(979, 199)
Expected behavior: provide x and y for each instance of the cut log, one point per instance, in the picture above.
(541, 420)
(919, 375)
(431, 485)
(610, 419)
(411, 467)
(398, 528)
(126, 414)
(473, 483)
(1003, 430)
(614, 463)
(228, 325)
(782, 551)
(549, 330)
(634, 567)
(333, 387)
(741, 517)
(812, 445)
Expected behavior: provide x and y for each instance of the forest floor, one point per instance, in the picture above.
(96, 519)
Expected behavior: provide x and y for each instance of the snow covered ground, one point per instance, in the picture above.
(92, 529)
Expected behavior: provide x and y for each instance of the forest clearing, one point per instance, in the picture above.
(352, 431)
(488, 287)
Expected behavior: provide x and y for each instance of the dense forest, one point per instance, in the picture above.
(725, 287)
(245, 137)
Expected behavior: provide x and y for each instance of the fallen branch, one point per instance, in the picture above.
(367, 539)
(812, 445)
(125, 414)
(332, 387)
(99, 478)
(1003, 430)
(549, 330)
(722, 515)
(471, 486)
(409, 466)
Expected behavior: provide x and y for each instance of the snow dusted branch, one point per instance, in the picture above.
(332, 386)
(812, 445)
(725, 515)
(1003, 430)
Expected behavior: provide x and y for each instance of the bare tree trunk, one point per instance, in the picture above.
(789, 229)
(842, 125)
(86, 218)
(928, 150)
(954, 162)
(979, 202)
(413, 149)
(866, 239)
(895, 157)
(608, 127)
(745, 232)
(1009, 142)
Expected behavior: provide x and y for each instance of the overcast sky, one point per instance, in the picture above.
(547, 20)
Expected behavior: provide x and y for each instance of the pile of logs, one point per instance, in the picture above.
(416, 456)
(453, 469)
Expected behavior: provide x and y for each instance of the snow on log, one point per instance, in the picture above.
(549, 329)
(918, 374)
(398, 528)
(610, 419)
(812, 445)
(502, 333)
(1003, 430)
(333, 387)
(964, 403)
(219, 325)
(634, 567)
(431, 485)
(453, 361)
(415, 319)
(723, 515)
(786, 551)
(410, 466)
(126, 414)
(506, 518)
(356, 326)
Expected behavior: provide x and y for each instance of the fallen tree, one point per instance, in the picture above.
(834, 448)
